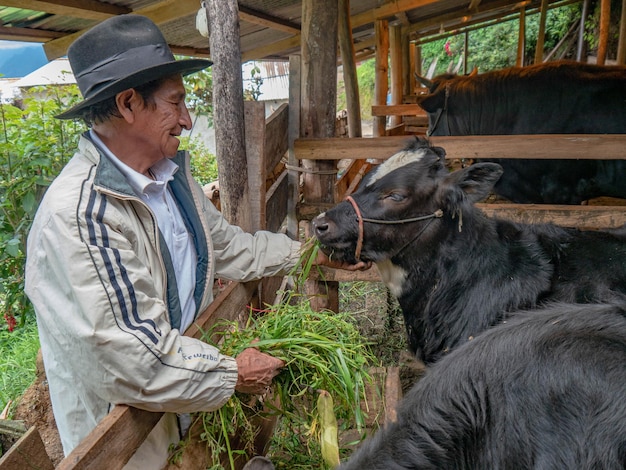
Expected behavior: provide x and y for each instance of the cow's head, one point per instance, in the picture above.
(406, 200)
(435, 102)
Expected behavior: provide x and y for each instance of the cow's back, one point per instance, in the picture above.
(553, 98)
(545, 390)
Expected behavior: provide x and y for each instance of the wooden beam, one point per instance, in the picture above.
(543, 14)
(605, 24)
(162, 12)
(348, 61)
(27, 34)
(395, 71)
(398, 110)
(28, 452)
(85, 9)
(381, 79)
(269, 21)
(388, 9)
(545, 146)
(583, 217)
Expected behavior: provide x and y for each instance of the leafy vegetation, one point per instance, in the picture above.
(18, 350)
(324, 355)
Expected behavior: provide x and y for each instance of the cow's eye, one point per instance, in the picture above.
(396, 197)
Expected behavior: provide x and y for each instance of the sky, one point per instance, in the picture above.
(18, 59)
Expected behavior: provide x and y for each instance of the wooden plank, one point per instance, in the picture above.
(393, 394)
(583, 217)
(398, 110)
(381, 79)
(295, 75)
(276, 137)
(254, 116)
(399, 129)
(227, 305)
(113, 441)
(276, 202)
(348, 62)
(27, 453)
(125, 428)
(545, 146)
(84, 9)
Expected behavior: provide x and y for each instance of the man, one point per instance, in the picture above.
(125, 247)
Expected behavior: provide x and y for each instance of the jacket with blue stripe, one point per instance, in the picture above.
(99, 277)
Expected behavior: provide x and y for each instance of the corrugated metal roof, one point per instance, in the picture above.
(265, 25)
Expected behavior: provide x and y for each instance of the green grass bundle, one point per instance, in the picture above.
(322, 351)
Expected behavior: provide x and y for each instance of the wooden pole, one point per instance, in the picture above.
(223, 17)
(407, 62)
(413, 65)
(381, 80)
(319, 97)
(521, 38)
(605, 24)
(295, 86)
(542, 32)
(621, 45)
(395, 42)
(346, 46)
(581, 32)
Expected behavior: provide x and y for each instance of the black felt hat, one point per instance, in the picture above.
(122, 52)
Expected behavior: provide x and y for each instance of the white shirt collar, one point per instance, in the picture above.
(163, 171)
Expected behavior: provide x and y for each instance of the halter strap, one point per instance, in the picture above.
(359, 242)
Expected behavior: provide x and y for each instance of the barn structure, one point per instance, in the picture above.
(284, 168)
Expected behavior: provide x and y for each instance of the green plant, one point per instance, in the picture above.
(18, 351)
(203, 163)
(322, 351)
(199, 88)
(33, 148)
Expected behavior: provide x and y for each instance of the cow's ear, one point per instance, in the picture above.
(433, 101)
(477, 180)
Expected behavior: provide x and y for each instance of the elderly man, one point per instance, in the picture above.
(125, 248)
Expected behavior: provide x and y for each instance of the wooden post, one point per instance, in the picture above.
(319, 98)
(413, 65)
(395, 38)
(542, 32)
(346, 46)
(581, 32)
(521, 38)
(223, 16)
(605, 24)
(621, 45)
(381, 80)
(295, 74)
(254, 115)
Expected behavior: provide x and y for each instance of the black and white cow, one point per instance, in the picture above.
(454, 271)
(552, 98)
(545, 390)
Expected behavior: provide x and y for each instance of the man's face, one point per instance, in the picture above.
(160, 123)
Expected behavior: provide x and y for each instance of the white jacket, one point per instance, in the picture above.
(107, 305)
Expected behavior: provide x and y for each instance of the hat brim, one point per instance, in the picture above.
(184, 67)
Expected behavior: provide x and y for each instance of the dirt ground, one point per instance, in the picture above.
(376, 313)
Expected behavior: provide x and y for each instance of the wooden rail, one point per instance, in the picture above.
(545, 146)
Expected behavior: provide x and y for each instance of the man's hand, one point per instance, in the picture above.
(256, 371)
(322, 260)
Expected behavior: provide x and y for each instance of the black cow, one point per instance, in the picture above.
(454, 271)
(552, 98)
(546, 390)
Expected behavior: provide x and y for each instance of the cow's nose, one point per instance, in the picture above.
(320, 226)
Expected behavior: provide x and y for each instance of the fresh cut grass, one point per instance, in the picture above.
(18, 354)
